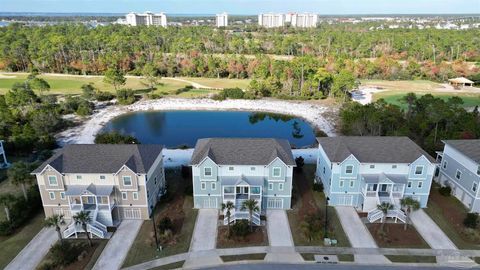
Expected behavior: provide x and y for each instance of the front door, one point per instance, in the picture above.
(383, 188)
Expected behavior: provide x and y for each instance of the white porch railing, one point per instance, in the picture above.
(238, 215)
(397, 214)
(375, 215)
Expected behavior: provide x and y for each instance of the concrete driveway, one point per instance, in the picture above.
(430, 231)
(205, 233)
(36, 249)
(358, 235)
(278, 229)
(118, 246)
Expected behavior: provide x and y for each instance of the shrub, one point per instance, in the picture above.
(218, 97)
(318, 186)
(84, 108)
(300, 162)
(125, 96)
(103, 96)
(471, 221)
(115, 138)
(183, 90)
(240, 228)
(47, 266)
(445, 191)
(233, 93)
(165, 224)
(65, 253)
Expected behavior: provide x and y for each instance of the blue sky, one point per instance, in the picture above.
(245, 6)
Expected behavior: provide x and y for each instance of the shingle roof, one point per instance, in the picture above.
(236, 151)
(470, 148)
(103, 158)
(372, 149)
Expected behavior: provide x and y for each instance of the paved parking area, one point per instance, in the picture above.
(358, 235)
(278, 228)
(205, 233)
(118, 246)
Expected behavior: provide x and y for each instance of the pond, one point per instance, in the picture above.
(184, 128)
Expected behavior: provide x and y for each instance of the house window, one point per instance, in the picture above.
(62, 195)
(155, 180)
(394, 166)
(277, 171)
(228, 190)
(445, 164)
(231, 168)
(124, 195)
(207, 171)
(52, 180)
(203, 186)
(458, 174)
(127, 181)
(420, 184)
(51, 195)
(135, 196)
(340, 183)
(255, 190)
(409, 185)
(79, 177)
(418, 170)
(323, 170)
(349, 169)
(214, 186)
(474, 187)
(252, 168)
(478, 170)
(280, 186)
(270, 186)
(352, 184)
(372, 166)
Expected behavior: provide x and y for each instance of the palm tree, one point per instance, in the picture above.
(20, 175)
(252, 206)
(55, 221)
(228, 206)
(6, 200)
(410, 205)
(83, 218)
(384, 207)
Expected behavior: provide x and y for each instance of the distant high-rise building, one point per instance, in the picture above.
(147, 18)
(304, 20)
(222, 20)
(270, 20)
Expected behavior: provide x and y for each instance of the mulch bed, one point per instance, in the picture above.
(257, 238)
(85, 260)
(396, 236)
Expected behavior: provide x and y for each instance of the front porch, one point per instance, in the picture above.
(238, 194)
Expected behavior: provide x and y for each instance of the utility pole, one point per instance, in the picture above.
(155, 227)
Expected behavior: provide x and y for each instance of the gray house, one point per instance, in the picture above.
(239, 169)
(460, 169)
(111, 182)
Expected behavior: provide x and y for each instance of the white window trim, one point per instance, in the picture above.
(280, 186)
(456, 173)
(213, 186)
(270, 186)
(352, 183)
(474, 187)
(124, 196)
(420, 184)
(203, 185)
(346, 169)
(131, 181)
(279, 171)
(135, 196)
(418, 166)
(62, 196)
(51, 195)
(409, 184)
(341, 183)
(445, 163)
(56, 181)
(205, 169)
(478, 170)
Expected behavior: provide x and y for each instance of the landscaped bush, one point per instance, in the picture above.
(445, 191)
(183, 90)
(318, 186)
(115, 138)
(471, 221)
(233, 93)
(103, 96)
(65, 253)
(125, 96)
(165, 224)
(241, 228)
(300, 162)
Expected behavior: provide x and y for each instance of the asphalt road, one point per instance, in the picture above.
(264, 266)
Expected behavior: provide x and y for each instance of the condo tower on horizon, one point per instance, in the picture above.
(148, 18)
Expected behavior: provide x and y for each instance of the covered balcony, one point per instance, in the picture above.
(90, 198)
(380, 188)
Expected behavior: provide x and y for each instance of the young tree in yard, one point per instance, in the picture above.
(114, 77)
(40, 85)
(410, 205)
(55, 221)
(252, 206)
(150, 73)
(83, 218)
(6, 200)
(228, 206)
(88, 91)
(384, 207)
(20, 175)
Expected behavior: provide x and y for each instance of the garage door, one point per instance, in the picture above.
(275, 203)
(346, 200)
(210, 203)
(133, 213)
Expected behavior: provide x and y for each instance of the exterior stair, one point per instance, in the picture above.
(95, 228)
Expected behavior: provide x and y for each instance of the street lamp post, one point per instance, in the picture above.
(155, 227)
(325, 231)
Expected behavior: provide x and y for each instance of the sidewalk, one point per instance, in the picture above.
(33, 253)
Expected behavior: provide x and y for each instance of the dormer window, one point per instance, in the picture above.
(231, 168)
(349, 169)
(52, 180)
(102, 177)
(207, 171)
(277, 171)
(372, 166)
(418, 170)
(79, 177)
(127, 180)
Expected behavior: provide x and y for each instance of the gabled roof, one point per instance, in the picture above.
(103, 158)
(470, 148)
(460, 80)
(236, 151)
(370, 149)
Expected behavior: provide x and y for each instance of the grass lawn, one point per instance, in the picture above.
(448, 213)
(179, 208)
(394, 236)
(403, 86)
(306, 202)
(10, 246)
(221, 83)
(244, 257)
(411, 259)
(393, 97)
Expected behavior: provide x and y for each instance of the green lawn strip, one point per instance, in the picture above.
(175, 265)
(244, 257)
(394, 97)
(411, 259)
(98, 251)
(10, 246)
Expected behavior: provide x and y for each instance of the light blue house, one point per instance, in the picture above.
(460, 169)
(365, 171)
(240, 169)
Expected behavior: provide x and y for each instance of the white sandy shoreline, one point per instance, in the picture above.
(85, 133)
